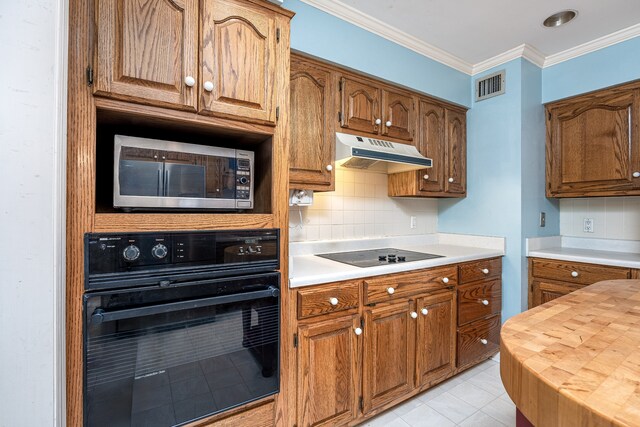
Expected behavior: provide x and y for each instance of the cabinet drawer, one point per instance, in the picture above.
(479, 300)
(479, 270)
(389, 288)
(575, 272)
(478, 339)
(327, 299)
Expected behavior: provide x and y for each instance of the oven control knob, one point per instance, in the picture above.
(131, 253)
(243, 180)
(159, 251)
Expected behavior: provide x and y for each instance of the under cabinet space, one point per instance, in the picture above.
(201, 169)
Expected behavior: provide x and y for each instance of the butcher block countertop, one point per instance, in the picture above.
(575, 361)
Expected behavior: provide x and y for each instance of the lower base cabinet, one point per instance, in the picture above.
(407, 345)
(387, 360)
(365, 345)
(327, 372)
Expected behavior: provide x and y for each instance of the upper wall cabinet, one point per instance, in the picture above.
(442, 137)
(238, 60)
(312, 145)
(369, 107)
(593, 144)
(359, 105)
(148, 51)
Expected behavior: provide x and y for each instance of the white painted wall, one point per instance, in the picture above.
(32, 141)
(361, 208)
(613, 217)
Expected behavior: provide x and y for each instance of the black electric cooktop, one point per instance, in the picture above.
(375, 257)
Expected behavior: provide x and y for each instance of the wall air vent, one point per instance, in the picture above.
(490, 86)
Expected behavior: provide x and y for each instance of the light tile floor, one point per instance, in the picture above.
(474, 398)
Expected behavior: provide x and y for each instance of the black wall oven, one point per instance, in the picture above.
(179, 326)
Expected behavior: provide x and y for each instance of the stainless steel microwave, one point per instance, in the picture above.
(155, 174)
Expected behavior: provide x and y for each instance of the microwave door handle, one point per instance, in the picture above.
(101, 316)
(159, 188)
(167, 177)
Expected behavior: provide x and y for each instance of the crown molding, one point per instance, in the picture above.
(525, 51)
(593, 45)
(373, 25)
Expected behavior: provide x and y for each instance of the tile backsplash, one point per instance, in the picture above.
(613, 217)
(360, 208)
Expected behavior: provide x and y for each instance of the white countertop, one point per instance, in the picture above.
(307, 269)
(618, 253)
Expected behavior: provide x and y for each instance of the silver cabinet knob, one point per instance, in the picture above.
(390, 291)
(378, 121)
(485, 302)
(388, 124)
(450, 179)
(636, 174)
(485, 270)
(484, 341)
(424, 311)
(329, 168)
(414, 315)
(574, 274)
(426, 176)
(358, 331)
(445, 280)
(333, 301)
(189, 81)
(208, 86)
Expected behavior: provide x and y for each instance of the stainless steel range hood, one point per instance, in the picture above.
(362, 152)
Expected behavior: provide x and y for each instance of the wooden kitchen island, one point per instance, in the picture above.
(575, 361)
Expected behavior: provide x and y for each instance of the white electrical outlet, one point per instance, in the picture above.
(414, 222)
(300, 197)
(587, 226)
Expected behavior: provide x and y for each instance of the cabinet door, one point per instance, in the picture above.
(431, 134)
(542, 291)
(327, 372)
(593, 145)
(436, 337)
(146, 51)
(360, 106)
(398, 115)
(456, 155)
(312, 141)
(388, 354)
(238, 60)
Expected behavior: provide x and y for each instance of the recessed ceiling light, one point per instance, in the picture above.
(560, 18)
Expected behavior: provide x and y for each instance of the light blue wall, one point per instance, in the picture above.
(325, 36)
(493, 203)
(533, 168)
(605, 67)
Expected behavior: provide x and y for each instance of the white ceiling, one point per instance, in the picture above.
(475, 31)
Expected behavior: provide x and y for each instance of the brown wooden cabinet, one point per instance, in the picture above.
(370, 107)
(398, 114)
(312, 146)
(435, 352)
(362, 348)
(359, 105)
(328, 376)
(147, 51)
(550, 279)
(479, 305)
(441, 137)
(387, 363)
(593, 144)
(238, 60)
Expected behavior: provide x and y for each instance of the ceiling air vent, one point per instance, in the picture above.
(490, 86)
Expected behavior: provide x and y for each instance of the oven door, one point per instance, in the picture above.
(167, 356)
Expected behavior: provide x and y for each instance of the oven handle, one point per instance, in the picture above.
(100, 316)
